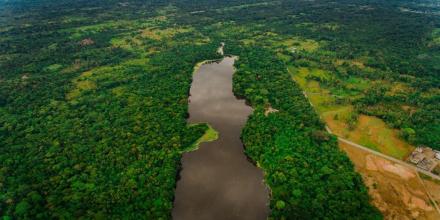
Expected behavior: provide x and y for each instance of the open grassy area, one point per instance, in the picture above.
(297, 43)
(245, 6)
(366, 130)
(159, 34)
(371, 132)
(94, 101)
(81, 84)
(321, 98)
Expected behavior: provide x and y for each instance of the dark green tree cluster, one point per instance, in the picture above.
(419, 123)
(310, 178)
(102, 153)
(90, 130)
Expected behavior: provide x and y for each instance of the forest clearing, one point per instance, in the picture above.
(96, 122)
(396, 190)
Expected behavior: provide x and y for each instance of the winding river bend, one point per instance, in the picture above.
(217, 181)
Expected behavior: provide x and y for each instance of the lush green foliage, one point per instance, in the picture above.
(100, 143)
(107, 151)
(309, 176)
(93, 97)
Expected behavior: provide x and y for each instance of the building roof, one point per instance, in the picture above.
(426, 164)
(416, 157)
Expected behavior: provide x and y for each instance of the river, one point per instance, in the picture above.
(217, 181)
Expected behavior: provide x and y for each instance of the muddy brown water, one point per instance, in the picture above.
(217, 181)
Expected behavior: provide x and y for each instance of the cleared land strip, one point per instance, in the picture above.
(384, 156)
(350, 143)
(429, 194)
(436, 177)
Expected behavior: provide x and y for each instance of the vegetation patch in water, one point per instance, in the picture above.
(210, 135)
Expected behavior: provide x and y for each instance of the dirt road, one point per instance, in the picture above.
(436, 177)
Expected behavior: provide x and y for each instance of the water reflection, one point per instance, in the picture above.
(217, 181)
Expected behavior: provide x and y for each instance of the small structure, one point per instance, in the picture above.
(86, 42)
(437, 154)
(427, 164)
(416, 157)
(270, 110)
(25, 76)
(220, 49)
(293, 49)
(425, 158)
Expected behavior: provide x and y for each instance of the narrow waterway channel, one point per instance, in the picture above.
(217, 181)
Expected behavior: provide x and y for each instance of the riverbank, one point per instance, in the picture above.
(217, 181)
(302, 164)
(210, 135)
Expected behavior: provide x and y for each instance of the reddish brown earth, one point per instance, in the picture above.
(397, 191)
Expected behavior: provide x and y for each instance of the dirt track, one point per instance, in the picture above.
(395, 186)
(396, 190)
(407, 165)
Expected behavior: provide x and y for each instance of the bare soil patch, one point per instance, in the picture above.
(86, 42)
(395, 190)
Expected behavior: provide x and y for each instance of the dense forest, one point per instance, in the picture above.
(398, 55)
(309, 176)
(90, 129)
(93, 98)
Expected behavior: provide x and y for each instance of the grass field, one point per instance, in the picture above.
(371, 132)
(366, 130)
(300, 44)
